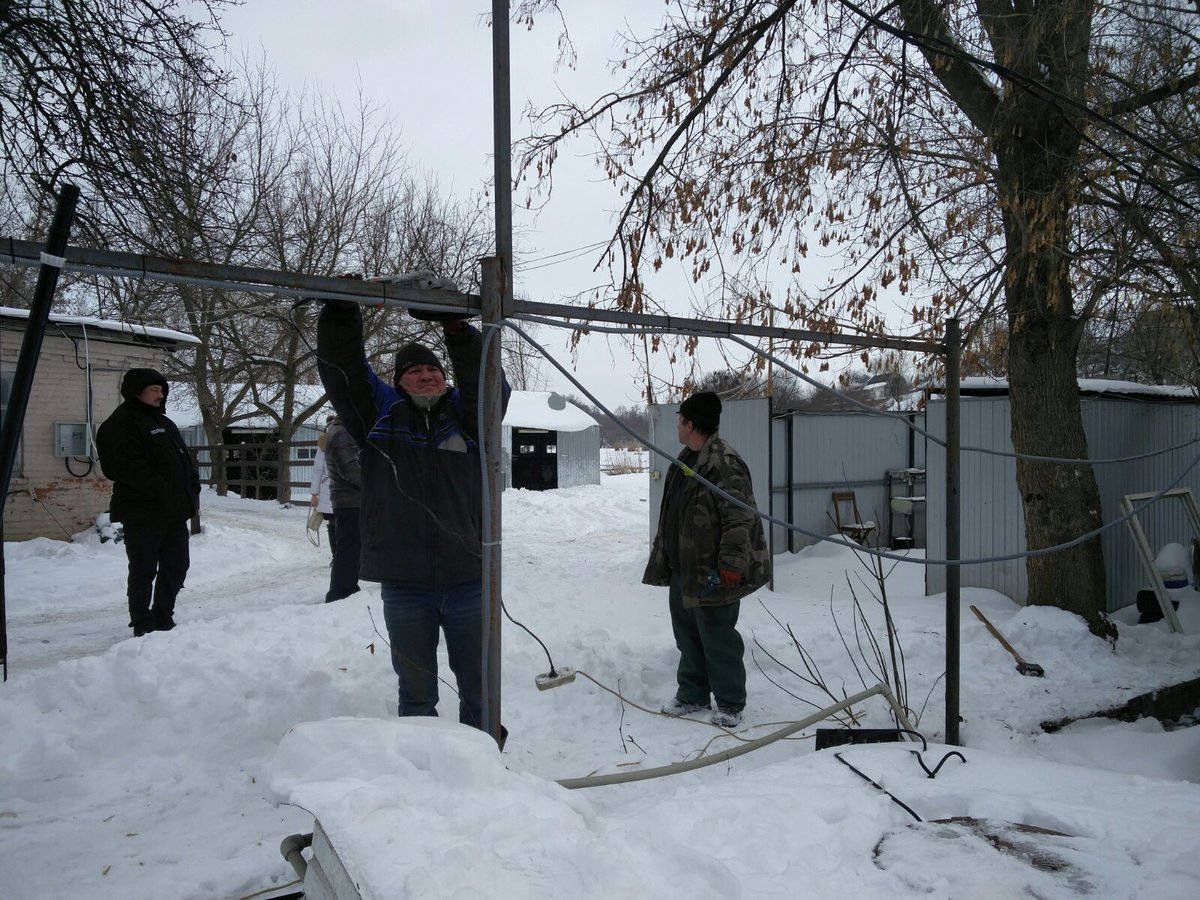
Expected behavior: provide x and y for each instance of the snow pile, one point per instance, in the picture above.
(173, 765)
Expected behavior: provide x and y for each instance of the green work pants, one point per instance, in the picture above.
(710, 651)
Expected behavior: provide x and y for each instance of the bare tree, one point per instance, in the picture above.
(81, 86)
(951, 153)
(261, 178)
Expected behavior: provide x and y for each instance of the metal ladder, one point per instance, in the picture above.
(1143, 545)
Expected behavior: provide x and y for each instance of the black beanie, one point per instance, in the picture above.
(416, 355)
(137, 380)
(703, 410)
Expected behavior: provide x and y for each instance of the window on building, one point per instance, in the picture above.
(7, 373)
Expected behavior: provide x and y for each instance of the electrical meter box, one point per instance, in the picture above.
(71, 439)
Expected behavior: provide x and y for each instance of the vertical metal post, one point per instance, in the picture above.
(791, 482)
(770, 526)
(31, 347)
(502, 144)
(492, 439)
(497, 302)
(953, 542)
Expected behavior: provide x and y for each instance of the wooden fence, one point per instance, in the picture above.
(264, 470)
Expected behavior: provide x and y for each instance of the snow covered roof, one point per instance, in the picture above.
(980, 385)
(165, 335)
(536, 409)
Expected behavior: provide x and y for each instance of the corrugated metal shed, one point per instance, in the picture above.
(817, 453)
(1120, 420)
(561, 442)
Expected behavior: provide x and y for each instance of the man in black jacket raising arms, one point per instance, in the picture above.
(156, 489)
(422, 499)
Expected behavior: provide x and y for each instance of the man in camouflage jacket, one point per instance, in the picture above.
(711, 553)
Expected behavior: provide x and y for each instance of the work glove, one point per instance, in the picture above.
(344, 308)
(730, 578)
(433, 315)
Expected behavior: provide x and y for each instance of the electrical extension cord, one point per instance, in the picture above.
(561, 675)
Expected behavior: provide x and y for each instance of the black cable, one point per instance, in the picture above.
(91, 464)
(908, 809)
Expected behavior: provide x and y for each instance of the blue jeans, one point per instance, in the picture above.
(413, 616)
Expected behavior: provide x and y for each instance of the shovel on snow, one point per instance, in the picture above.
(1025, 668)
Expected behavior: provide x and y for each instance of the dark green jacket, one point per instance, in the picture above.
(714, 533)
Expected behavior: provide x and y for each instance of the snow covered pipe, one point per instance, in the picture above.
(701, 762)
(292, 848)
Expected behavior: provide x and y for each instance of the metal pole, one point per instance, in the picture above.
(953, 542)
(492, 438)
(496, 305)
(31, 347)
(502, 144)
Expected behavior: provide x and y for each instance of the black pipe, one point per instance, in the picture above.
(31, 347)
(953, 542)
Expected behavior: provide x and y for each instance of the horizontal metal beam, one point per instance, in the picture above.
(115, 264)
(249, 279)
(719, 328)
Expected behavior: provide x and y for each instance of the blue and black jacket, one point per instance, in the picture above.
(422, 490)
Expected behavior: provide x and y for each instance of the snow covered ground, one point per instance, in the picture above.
(173, 765)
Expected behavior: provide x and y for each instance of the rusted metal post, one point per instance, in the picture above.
(496, 301)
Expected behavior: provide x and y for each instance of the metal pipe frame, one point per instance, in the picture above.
(250, 279)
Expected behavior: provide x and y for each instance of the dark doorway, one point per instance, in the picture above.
(535, 459)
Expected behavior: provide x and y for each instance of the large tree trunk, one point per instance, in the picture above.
(1037, 153)
(1061, 501)
(1035, 134)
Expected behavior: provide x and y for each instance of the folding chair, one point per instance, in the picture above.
(847, 520)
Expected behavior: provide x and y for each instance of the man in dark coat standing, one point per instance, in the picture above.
(156, 490)
(422, 499)
(345, 491)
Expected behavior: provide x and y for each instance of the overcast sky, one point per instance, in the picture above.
(431, 65)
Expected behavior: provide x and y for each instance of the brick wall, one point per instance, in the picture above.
(46, 498)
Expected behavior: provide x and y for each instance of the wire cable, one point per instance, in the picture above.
(904, 418)
(881, 554)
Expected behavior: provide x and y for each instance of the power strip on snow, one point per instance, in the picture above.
(561, 675)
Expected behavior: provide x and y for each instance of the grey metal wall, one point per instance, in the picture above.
(992, 513)
(578, 457)
(833, 451)
(744, 424)
(991, 518)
